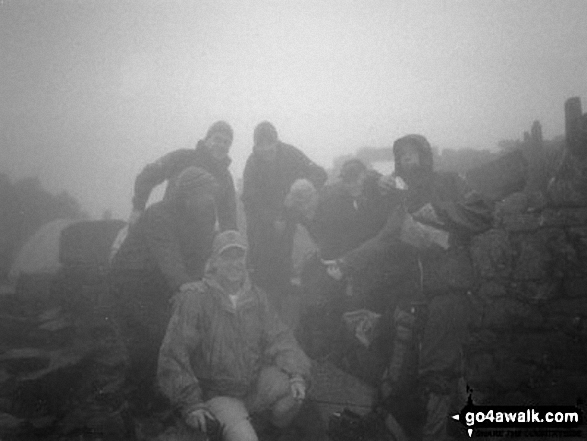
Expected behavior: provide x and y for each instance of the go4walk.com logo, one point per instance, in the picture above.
(521, 421)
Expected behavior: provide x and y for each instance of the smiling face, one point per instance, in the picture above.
(218, 143)
(230, 265)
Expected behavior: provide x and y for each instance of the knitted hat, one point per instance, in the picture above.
(194, 179)
(220, 127)
(225, 240)
(264, 134)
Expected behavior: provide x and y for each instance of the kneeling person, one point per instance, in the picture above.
(226, 353)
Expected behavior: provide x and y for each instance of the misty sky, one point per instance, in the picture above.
(92, 90)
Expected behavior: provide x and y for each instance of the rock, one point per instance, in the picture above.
(480, 370)
(564, 217)
(575, 287)
(578, 238)
(507, 313)
(533, 259)
(569, 307)
(492, 254)
(537, 291)
(9, 422)
(515, 203)
(520, 222)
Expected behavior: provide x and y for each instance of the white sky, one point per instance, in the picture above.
(91, 91)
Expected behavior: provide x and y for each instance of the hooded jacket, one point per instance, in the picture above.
(166, 241)
(461, 211)
(172, 164)
(213, 348)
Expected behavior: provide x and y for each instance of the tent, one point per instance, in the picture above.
(40, 253)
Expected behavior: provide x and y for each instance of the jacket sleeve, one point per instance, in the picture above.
(308, 169)
(281, 346)
(357, 259)
(154, 174)
(466, 211)
(175, 373)
(164, 248)
(227, 215)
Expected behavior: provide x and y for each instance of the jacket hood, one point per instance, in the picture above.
(424, 151)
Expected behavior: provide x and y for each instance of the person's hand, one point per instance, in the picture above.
(197, 419)
(388, 183)
(279, 226)
(191, 286)
(298, 388)
(134, 216)
(333, 269)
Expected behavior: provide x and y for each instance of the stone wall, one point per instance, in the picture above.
(528, 343)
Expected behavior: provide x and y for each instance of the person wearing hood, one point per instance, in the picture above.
(210, 154)
(227, 355)
(269, 173)
(429, 233)
(165, 252)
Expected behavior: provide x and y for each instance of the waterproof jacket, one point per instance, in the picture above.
(342, 223)
(213, 348)
(172, 164)
(265, 186)
(462, 212)
(166, 241)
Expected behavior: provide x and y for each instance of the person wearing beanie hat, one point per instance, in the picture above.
(243, 361)
(164, 252)
(210, 154)
(270, 171)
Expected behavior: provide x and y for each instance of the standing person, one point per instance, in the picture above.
(165, 252)
(439, 259)
(210, 154)
(227, 354)
(269, 173)
(347, 213)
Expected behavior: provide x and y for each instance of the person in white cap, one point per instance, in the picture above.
(227, 355)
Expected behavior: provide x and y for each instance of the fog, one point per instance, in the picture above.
(93, 90)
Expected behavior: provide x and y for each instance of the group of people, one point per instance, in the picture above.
(199, 307)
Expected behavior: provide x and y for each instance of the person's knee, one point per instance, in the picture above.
(240, 431)
(284, 411)
(233, 417)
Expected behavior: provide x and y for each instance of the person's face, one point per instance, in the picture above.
(198, 201)
(410, 159)
(355, 186)
(219, 145)
(266, 152)
(230, 265)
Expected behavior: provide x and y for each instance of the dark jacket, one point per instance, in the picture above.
(172, 164)
(214, 348)
(341, 223)
(167, 242)
(462, 212)
(265, 186)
